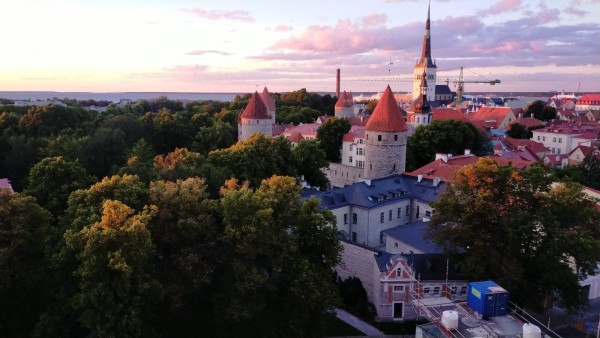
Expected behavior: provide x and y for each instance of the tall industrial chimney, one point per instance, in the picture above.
(337, 84)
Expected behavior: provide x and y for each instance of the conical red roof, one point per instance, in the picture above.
(255, 109)
(268, 100)
(387, 116)
(345, 100)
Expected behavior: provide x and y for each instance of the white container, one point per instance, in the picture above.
(450, 320)
(531, 331)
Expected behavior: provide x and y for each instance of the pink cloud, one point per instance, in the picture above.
(283, 28)
(209, 51)
(374, 20)
(236, 15)
(575, 11)
(500, 7)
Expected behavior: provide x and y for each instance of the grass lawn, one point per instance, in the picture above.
(337, 328)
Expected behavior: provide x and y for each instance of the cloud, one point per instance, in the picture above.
(500, 7)
(575, 11)
(282, 28)
(209, 51)
(374, 20)
(236, 15)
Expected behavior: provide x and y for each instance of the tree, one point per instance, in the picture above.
(279, 250)
(590, 171)
(178, 164)
(533, 238)
(257, 158)
(52, 180)
(140, 161)
(184, 232)
(116, 291)
(218, 136)
(330, 135)
(540, 111)
(444, 136)
(519, 131)
(24, 230)
(310, 160)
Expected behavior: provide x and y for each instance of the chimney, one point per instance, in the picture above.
(419, 177)
(467, 151)
(436, 181)
(443, 157)
(520, 115)
(337, 84)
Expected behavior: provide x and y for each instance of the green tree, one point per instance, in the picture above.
(310, 160)
(218, 136)
(24, 230)
(279, 251)
(590, 171)
(257, 158)
(519, 131)
(178, 164)
(171, 130)
(533, 238)
(540, 111)
(52, 180)
(116, 292)
(296, 115)
(447, 137)
(184, 232)
(140, 161)
(330, 135)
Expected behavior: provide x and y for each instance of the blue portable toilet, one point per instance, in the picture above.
(488, 299)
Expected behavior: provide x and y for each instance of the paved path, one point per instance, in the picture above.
(358, 323)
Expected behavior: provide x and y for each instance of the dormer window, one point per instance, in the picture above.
(399, 273)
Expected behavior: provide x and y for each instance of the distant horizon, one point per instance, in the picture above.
(179, 46)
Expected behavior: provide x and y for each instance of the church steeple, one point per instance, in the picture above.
(426, 52)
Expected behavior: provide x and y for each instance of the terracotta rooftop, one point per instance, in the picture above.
(387, 116)
(354, 133)
(345, 100)
(448, 114)
(528, 122)
(255, 109)
(516, 144)
(589, 99)
(296, 137)
(268, 100)
(444, 169)
(486, 113)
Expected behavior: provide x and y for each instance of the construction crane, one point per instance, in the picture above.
(461, 85)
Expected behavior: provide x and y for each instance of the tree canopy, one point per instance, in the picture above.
(446, 137)
(539, 110)
(330, 135)
(534, 238)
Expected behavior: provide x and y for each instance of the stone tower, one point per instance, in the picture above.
(425, 66)
(254, 118)
(269, 103)
(385, 139)
(344, 107)
(419, 112)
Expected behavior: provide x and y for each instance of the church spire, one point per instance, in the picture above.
(426, 52)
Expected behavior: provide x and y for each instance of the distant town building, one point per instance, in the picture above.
(561, 137)
(588, 102)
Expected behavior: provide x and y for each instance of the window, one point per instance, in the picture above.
(390, 216)
(560, 140)
(359, 151)
(426, 290)
(428, 213)
(453, 290)
(418, 213)
(399, 212)
(399, 273)
(350, 159)
(558, 150)
(345, 218)
(367, 137)
(398, 288)
(370, 166)
(544, 138)
(408, 210)
(538, 138)
(395, 137)
(378, 137)
(381, 217)
(553, 150)
(353, 236)
(395, 244)
(463, 290)
(381, 238)
(354, 218)
(436, 291)
(554, 139)
(418, 119)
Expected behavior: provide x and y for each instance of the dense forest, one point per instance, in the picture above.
(152, 220)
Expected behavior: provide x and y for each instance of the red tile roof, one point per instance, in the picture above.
(345, 100)
(296, 137)
(589, 99)
(448, 114)
(444, 169)
(268, 100)
(354, 133)
(528, 122)
(485, 113)
(516, 144)
(387, 116)
(255, 109)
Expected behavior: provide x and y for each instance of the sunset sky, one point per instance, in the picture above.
(237, 45)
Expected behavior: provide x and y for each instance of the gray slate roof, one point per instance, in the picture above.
(413, 234)
(381, 191)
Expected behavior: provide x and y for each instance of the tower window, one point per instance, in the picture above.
(395, 137)
(378, 137)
